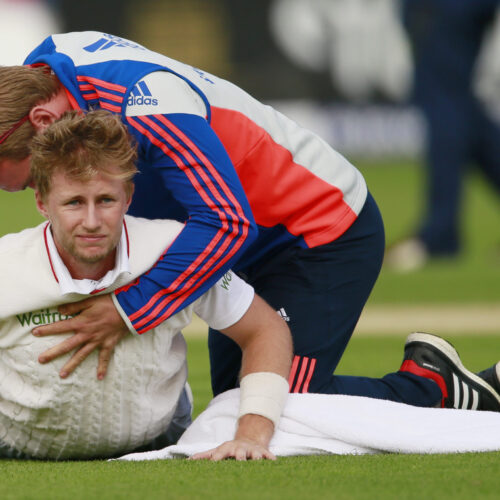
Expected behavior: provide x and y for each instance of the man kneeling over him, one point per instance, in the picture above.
(82, 167)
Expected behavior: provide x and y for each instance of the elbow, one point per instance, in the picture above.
(251, 230)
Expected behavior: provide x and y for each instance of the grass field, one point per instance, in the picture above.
(473, 278)
(460, 477)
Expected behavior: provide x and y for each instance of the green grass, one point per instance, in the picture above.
(474, 276)
(333, 477)
(459, 477)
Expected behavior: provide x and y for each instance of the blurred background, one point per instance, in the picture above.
(345, 69)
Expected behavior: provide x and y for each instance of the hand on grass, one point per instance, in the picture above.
(238, 449)
(251, 442)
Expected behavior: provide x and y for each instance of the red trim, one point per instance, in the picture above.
(102, 83)
(126, 237)
(89, 84)
(90, 97)
(305, 360)
(126, 287)
(178, 161)
(39, 65)
(85, 86)
(48, 251)
(72, 101)
(111, 97)
(412, 367)
(293, 371)
(111, 107)
(309, 375)
(106, 95)
(209, 166)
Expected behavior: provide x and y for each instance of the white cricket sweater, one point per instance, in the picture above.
(81, 417)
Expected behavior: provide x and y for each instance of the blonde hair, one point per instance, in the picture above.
(81, 146)
(22, 88)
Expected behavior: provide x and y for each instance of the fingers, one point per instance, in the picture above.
(79, 356)
(104, 357)
(76, 359)
(75, 307)
(65, 326)
(62, 348)
(236, 450)
(204, 455)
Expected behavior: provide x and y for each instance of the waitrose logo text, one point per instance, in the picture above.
(42, 317)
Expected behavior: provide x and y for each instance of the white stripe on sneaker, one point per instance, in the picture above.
(465, 389)
(456, 392)
(475, 399)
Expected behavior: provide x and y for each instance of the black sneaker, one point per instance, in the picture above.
(433, 357)
(492, 376)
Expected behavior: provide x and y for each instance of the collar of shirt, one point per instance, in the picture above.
(87, 286)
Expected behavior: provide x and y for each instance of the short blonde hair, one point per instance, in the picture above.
(81, 146)
(22, 88)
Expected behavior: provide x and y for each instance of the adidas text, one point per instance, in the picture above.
(283, 314)
(435, 368)
(142, 101)
(141, 96)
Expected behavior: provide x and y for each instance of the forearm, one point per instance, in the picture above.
(266, 345)
(266, 361)
(268, 350)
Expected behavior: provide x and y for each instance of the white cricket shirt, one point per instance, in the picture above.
(45, 416)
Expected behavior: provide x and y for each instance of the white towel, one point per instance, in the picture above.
(314, 424)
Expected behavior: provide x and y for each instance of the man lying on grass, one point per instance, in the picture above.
(82, 168)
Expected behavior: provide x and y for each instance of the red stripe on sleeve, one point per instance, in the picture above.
(189, 286)
(108, 95)
(102, 83)
(110, 107)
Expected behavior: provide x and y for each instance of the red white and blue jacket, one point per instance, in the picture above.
(246, 180)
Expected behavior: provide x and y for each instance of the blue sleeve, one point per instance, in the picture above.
(195, 169)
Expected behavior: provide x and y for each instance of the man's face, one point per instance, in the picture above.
(86, 217)
(14, 174)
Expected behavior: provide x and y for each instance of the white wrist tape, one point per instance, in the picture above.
(263, 393)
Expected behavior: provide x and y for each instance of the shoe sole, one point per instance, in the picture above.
(447, 350)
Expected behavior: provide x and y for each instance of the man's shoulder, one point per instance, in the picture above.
(137, 226)
(13, 243)
(148, 239)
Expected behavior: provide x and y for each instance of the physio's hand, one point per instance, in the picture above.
(97, 325)
(238, 449)
(251, 441)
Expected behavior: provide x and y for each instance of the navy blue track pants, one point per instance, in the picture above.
(321, 292)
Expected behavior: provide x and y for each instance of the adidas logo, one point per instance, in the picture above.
(141, 96)
(283, 314)
(109, 41)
